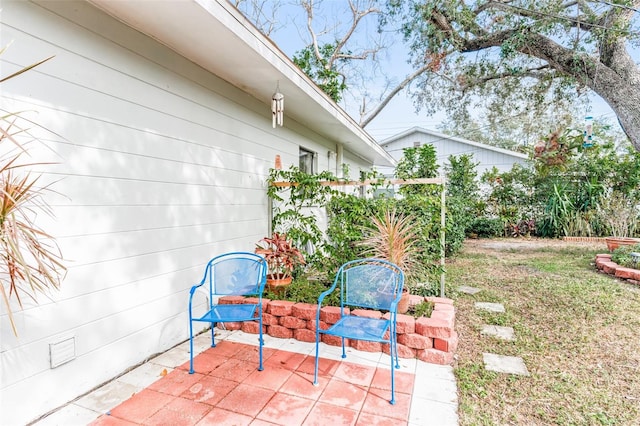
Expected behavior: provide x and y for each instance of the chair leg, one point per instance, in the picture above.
(392, 349)
(191, 347)
(213, 341)
(260, 344)
(393, 393)
(395, 344)
(344, 354)
(315, 370)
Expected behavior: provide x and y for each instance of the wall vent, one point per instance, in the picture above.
(62, 352)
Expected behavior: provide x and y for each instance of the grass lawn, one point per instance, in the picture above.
(577, 330)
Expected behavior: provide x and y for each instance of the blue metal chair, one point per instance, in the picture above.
(237, 274)
(365, 283)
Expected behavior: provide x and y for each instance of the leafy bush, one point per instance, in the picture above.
(304, 290)
(463, 191)
(566, 197)
(349, 214)
(347, 217)
(621, 255)
(422, 309)
(426, 288)
(620, 214)
(485, 227)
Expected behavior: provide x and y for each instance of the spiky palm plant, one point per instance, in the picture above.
(392, 237)
(30, 260)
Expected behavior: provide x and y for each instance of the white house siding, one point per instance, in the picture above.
(160, 166)
(445, 146)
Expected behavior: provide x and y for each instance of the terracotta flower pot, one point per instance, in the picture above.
(403, 304)
(278, 285)
(615, 242)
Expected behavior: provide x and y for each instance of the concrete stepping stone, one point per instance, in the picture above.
(498, 331)
(491, 307)
(505, 364)
(468, 290)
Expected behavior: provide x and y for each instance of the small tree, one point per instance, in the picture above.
(462, 188)
(418, 162)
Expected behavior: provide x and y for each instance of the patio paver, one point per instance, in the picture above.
(498, 331)
(491, 307)
(353, 391)
(505, 364)
(468, 289)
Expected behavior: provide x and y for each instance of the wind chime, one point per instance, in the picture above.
(277, 107)
(587, 135)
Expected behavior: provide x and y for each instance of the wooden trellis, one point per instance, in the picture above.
(387, 182)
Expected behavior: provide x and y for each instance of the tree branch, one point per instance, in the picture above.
(308, 7)
(394, 92)
(618, 14)
(491, 40)
(530, 72)
(442, 23)
(613, 52)
(357, 16)
(337, 51)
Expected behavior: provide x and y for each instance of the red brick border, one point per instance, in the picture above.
(431, 340)
(606, 265)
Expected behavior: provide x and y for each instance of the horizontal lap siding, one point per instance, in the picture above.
(160, 166)
(446, 147)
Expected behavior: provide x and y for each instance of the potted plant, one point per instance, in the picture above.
(282, 258)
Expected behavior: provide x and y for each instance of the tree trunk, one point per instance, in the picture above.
(624, 98)
(621, 90)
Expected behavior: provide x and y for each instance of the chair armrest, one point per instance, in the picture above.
(323, 295)
(394, 303)
(193, 289)
(192, 292)
(327, 292)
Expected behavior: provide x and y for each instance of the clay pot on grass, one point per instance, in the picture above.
(615, 242)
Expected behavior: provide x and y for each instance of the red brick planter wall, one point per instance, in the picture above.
(584, 239)
(606, 265)
(431, 340)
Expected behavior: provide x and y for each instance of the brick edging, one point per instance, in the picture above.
(585, 239)
(431, 340)
(606, 265)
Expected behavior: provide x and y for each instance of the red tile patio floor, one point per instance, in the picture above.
(227, 389)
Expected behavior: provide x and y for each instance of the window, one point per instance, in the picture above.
(307, 161)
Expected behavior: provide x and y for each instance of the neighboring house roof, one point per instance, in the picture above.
(217, 37)
(443, 137)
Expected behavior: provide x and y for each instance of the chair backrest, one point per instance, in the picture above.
(238, 273)
(370, 283)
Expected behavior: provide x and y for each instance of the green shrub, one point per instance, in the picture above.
(304, 290)
(621, 255)
(422, 309)
(426, 288)
(485, 227)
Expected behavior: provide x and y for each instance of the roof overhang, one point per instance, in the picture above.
(216, 36)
